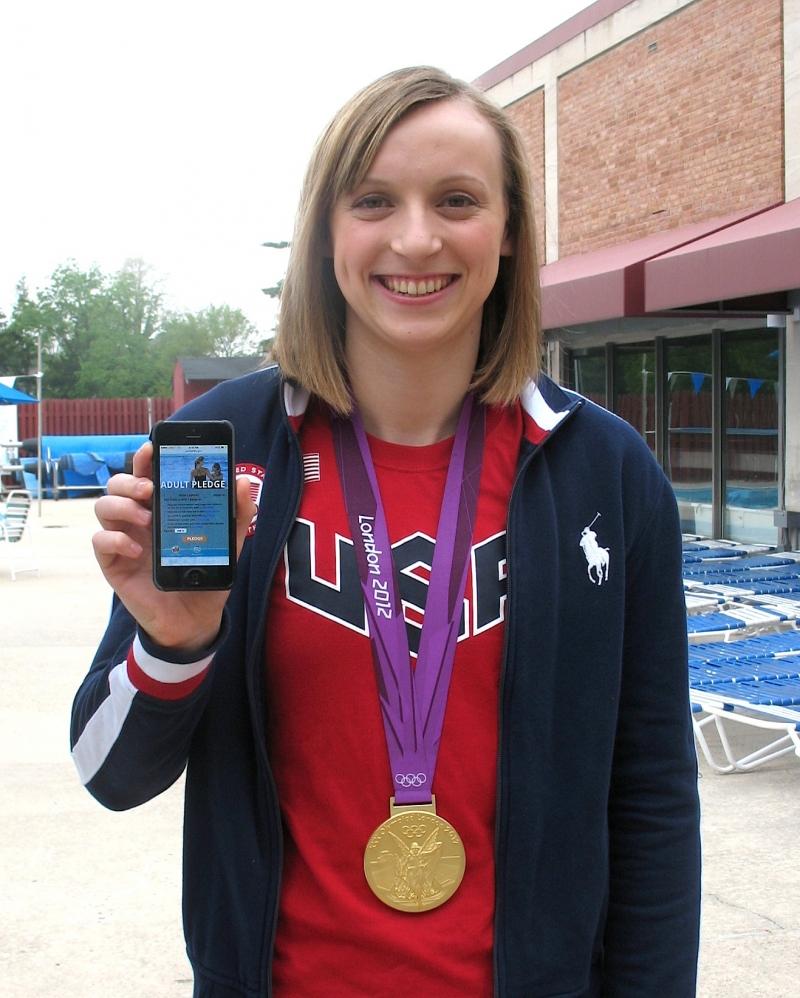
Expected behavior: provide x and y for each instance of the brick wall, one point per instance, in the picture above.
(680, 123)
(528, 115)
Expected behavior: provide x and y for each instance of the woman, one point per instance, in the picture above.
(199, 472)
(466, 768)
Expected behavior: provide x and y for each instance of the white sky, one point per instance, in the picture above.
(177, 131)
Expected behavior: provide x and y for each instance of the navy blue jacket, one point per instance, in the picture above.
(597, 846)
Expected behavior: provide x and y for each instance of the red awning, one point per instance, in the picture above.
(609, 283)
(757, 256)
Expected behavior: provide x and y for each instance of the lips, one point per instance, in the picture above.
(416, 287)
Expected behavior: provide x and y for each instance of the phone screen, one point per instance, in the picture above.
(193, 505)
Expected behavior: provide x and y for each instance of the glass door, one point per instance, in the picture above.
(635, 386)
(713, 419)
(688, 452)
(750, 444)
(588, 373)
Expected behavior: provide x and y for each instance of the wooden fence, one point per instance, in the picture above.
(87, 417)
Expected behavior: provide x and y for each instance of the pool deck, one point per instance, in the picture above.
(92, 898)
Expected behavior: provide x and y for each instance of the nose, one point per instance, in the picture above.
(417, 234)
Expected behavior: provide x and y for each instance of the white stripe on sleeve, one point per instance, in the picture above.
(103, 728)
(167, 672)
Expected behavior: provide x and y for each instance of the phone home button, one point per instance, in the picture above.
(194, 577)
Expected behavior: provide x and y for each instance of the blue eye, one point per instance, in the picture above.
(371, 202)
(458, 201)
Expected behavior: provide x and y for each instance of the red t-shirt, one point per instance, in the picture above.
(326, 738)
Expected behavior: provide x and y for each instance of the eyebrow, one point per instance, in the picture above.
(450, 179)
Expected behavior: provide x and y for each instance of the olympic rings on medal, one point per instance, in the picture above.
(413, 831)
(410, 779)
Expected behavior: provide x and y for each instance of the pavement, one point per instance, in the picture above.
(91, 898)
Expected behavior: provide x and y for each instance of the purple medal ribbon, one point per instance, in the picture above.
(412, 702)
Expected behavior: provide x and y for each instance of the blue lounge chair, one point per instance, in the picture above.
(770, 703)
(15, 533)
(744, 653)
(720, 624)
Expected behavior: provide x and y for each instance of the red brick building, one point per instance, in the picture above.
(664, 137)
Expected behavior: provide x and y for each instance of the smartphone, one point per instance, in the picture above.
(194, 505)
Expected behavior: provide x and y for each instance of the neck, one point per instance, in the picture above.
(409, 402)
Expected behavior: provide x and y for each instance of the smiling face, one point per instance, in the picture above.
(416, 246)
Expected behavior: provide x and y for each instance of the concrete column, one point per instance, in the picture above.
(554, 360)
(792, 462)
(551, 168)
(791, 96)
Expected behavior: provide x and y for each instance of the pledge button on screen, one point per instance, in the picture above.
(195, 539)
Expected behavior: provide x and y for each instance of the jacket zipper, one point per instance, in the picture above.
(498, 865)
(270, 940)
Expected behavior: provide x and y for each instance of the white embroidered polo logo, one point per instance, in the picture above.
(596, 557)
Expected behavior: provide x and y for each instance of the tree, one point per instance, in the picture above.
(275, 290)
(118, 357)
(106, 335)
(18, 335)
(99, 331)
(216, 331)
(136, 305)
(69, 313)
(232, 333)
(96, 332)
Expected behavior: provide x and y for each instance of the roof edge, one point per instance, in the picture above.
(558, 36)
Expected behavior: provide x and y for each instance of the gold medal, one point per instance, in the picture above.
(415, 860)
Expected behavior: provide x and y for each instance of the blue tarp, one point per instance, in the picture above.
(56, 446)
(86, 461)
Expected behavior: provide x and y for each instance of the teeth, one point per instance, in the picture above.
(427, 286)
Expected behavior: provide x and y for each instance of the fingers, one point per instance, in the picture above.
(143, 461)
(126, 519)
(109, 545)
(137, 487)
(118, 509)
(124, 514)
(125, 529)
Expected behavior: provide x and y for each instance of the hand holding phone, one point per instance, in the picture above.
(194, 508)
(123, 548)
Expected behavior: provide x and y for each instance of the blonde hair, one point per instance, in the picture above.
(309, 345)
